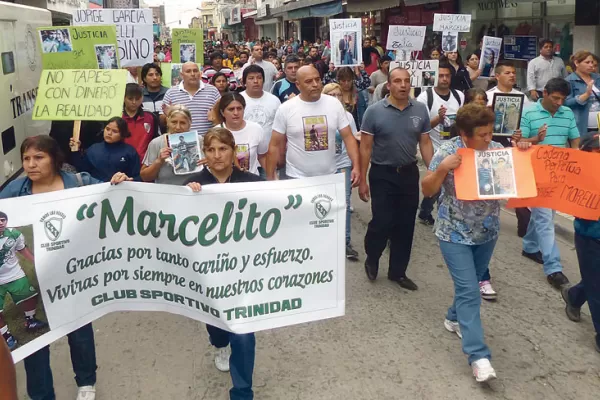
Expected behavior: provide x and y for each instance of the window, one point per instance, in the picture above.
(8, 63)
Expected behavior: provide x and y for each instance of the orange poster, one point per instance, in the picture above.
(567, 180)
(494, 174)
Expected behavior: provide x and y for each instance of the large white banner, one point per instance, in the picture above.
(243, 257)
(134, 31)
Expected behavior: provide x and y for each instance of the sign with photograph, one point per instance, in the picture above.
(423, 73)
(188, 45)
(494, 174)
(222, 256)
(80, 94)
(408, 38)
(134, 31)
(451, 22)
(346, 42)
(508, 108)
(450, 41)
(236, 15)
(567, 180)
(490, 54)
(520, 47)
(75, 47)
(185, 152)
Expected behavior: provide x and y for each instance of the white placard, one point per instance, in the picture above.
(449, 42)
(134, 31)
(490, 54)
(409, 38)
(452, 22)
(243, 257)
(346, 42)
(423, 73)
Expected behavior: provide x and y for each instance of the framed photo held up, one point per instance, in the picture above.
(507, 108)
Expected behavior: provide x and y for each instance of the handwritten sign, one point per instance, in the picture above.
(346, 42)
(423, 73)
(406, 37)
(494, 174)
(134, 31)
(452, 22)
(567, 180)
(188, 45)
(85, 47)
(80, 94)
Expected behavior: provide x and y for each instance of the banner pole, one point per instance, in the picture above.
(76, 131)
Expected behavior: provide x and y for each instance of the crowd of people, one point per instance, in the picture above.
(267, 110)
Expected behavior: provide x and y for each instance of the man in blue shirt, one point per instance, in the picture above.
(285, 89)
(548, 122)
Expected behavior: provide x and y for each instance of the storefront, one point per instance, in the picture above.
(307, 19)
(268, 27)
(250, 28)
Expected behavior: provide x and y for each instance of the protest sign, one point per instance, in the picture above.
(172, 74)
(78, 47)
(507, 108)
(407, 38)
(346, 42)
(222, 256)
(134, 31)
(490, 54)
(451, 22)
(567, 180)
(423, 73)
(188, 45)
(449, 42)
(494, 174)
(80, 94)
(185, 152)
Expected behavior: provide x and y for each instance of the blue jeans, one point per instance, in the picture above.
(588, 254)
(346, 171)
(540, 237)
(467, 264)
(83, 357)
(361, 107)
(241, 362)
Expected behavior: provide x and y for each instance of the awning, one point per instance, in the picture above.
(321, 10)
(269, 21)
(361, 6)
(250, 14)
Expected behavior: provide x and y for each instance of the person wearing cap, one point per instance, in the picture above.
(587, 245)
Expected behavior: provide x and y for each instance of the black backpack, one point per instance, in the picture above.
(430, 97)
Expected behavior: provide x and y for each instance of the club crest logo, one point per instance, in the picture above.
(53, 228)
(416, 121)
(53, 223)
(322, 208)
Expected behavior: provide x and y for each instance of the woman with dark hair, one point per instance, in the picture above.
(435, 54)
(472, 66)
(42, 162)
(467, 232)
(584, 99)
(219, 80)
(219, 147)
(103, 160)
(460, 76)
(252, 145)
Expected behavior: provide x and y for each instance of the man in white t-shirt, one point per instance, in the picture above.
(267, 66)
(309, 122)
(443, 104)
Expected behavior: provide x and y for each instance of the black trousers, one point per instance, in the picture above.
(394, 203)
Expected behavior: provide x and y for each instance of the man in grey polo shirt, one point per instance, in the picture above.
(391, 130)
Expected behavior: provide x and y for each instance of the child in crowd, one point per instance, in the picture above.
(143, 126)
(103, 160)
(14, 281)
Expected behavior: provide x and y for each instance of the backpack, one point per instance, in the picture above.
(430, 97)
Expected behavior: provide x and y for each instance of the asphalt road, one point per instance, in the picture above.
(390, 345)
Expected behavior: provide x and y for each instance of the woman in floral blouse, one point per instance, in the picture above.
(467, 232)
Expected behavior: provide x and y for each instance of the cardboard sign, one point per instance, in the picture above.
(567, 180)
(423, 73)
(188, 45)
(85, 47)
(346, 42)
(134, 31)
(80, 94)
(490, 54)
(452, 22)
(408, 38)
(494, 174)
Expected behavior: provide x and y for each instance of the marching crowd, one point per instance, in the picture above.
(267, 110)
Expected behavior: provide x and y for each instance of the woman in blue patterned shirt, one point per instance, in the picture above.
(467, 232)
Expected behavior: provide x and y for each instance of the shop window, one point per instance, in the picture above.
(8, 63)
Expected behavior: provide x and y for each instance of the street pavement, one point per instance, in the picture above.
(390, 345)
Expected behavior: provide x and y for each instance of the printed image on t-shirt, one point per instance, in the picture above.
(243, 155)
(315, 133)
(338, 143)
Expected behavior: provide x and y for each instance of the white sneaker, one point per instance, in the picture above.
(222, 359)
(487, 291)
(452, 326)
(482, 370)
(86, 393)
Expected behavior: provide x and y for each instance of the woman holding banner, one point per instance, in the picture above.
(220, 150)
(42, 161)
(467, 233)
